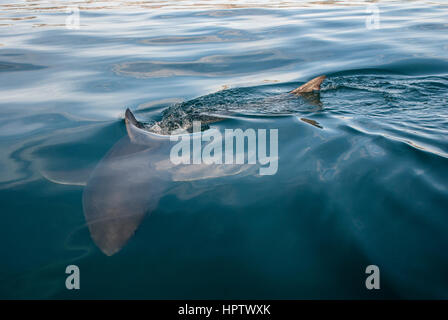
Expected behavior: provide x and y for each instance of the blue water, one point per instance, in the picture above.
(367, 185)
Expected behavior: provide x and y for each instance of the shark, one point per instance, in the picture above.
(129, 181)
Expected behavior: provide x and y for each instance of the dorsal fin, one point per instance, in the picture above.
(310, 86)
(130, 118)
(139, 134)
(133, 126)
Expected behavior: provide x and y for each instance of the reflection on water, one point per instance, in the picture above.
(312, 122)
(211, 66)
(361, 177)
(56, 5)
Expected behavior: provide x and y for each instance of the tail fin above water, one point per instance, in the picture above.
(310, 86)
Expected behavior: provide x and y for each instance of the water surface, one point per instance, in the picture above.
(366, 185)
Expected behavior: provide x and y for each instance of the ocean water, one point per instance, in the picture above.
(363, 166)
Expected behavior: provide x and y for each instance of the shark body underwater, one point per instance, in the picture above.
(134, 175)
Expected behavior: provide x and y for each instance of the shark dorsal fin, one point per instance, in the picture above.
(310, 86)
(130, 119)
